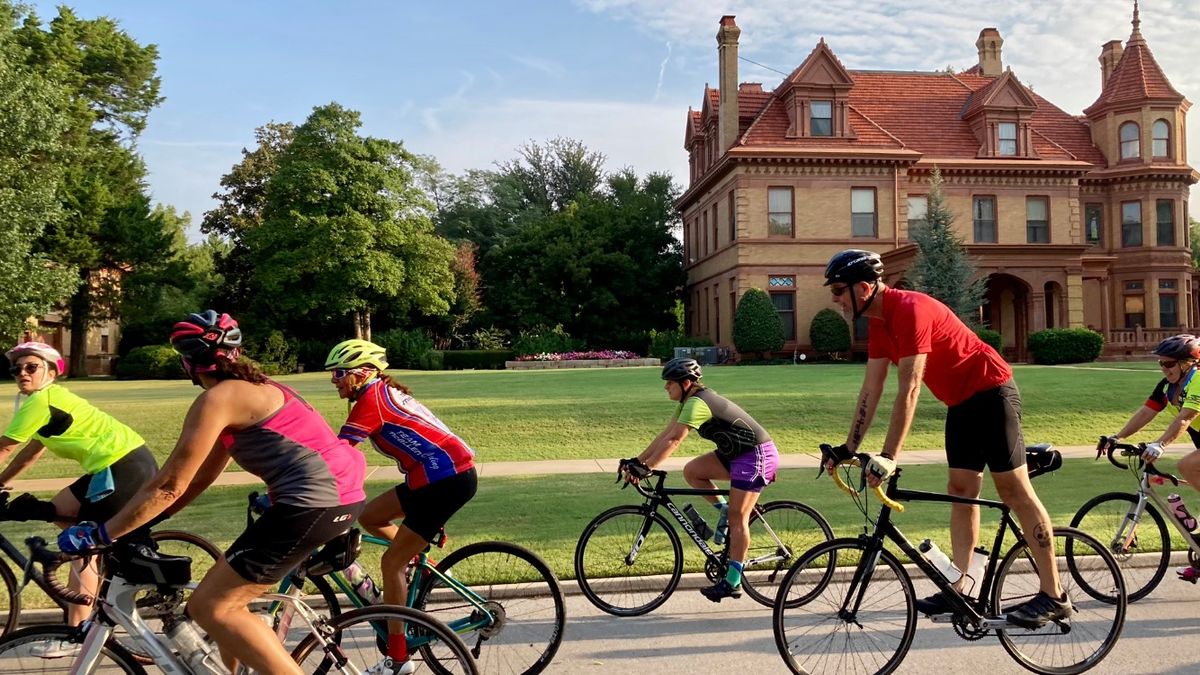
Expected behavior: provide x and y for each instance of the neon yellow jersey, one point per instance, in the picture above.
(72, 428)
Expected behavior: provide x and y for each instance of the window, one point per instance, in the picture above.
(779, 211)
(862, 212)
(732, 296)
(1165, 209)
(985, 220)
(1093, 223)
(821, 118)
(1037, 220)
(704, 232)
(1135, 304)
(1131, 223)
(862, 326)
(732, 217)
(716, 336)
(1161, 131)
(1007, 132)
(1168, 304)
(785, 307)
(716, 238)
(918, 208)
(1131, 145)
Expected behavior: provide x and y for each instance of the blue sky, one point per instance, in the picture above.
(468, 82)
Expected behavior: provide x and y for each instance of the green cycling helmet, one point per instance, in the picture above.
(356, 354)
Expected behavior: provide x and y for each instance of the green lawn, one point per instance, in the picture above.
(604, 413)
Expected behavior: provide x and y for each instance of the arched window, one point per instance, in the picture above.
(1162, 137)
(1131, 144)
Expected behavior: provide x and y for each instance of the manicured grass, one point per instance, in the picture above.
(605, 413)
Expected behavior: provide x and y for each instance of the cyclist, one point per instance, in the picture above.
(114, 458)
(438, 467)
(928, 342)
(1178, 359)
(313, 477)
(745, 456)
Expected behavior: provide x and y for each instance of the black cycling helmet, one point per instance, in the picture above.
(681, 369)
(204, 337)
(853, 265)
(1179, 347)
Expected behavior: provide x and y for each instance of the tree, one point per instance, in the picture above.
(1194, 240)
(756, 325)
(345, 228)
(33, 121)
(942, 267)
(829, 333)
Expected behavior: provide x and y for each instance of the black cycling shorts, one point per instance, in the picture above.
(129, 474)
(985, 430)
(284, 536)
(428, 508)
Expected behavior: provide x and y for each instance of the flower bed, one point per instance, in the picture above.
(600, 359)
(606, 355)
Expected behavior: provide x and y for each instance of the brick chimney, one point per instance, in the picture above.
(727, 82)
(1110, 54)
(989, 44)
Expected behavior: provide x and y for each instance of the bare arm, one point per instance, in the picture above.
(912, 371)
(868, 401)
(25, 458)
(664, 444)
(212, 469)
(1182, 421)
(1140, 419)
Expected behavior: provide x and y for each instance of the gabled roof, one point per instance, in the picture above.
(1002, 92)
(820, 68)
(1136, 77)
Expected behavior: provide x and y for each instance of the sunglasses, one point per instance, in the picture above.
(28, 368)
(339, 373)
(838, 290)
(1165, 365)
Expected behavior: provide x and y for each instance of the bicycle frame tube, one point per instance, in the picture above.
(1146, 492)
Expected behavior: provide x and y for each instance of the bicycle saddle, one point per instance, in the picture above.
(335, 555)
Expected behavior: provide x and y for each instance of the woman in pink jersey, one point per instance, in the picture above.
(439, 467)
(313, 477)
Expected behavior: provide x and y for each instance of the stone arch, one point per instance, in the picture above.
(1007, 312)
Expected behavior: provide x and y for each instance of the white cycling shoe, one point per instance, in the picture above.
(55, 649)
(388, 666)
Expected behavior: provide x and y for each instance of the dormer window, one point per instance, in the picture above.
(1162, 137)
(1131, 144)
(1007, 142)
(821, 118)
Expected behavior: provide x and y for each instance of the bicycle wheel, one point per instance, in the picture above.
(330, 606)
(351, 642)
(780, 532)
(1081, 641)
(1142, 549)
(10, 600)
(628, 562)
(20, 653)
(522, 595)
(813, 633)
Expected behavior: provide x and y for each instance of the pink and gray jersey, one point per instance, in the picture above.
(299, 457)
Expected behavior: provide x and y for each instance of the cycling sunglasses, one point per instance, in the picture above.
(838, 290)
(1167, 365)
(29, 368)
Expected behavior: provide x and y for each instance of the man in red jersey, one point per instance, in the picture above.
(929, 344)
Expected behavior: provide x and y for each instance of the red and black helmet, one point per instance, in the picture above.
(203, 338)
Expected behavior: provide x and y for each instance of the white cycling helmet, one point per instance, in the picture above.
(41, 350)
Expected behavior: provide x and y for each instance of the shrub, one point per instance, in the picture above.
(756, 326)
(273, 353)
(541, 340)
(312, 354)
(662, 345)
(1065, 345)
(151, 362)
(430, 360)
(991, 337)
(829, 333)
(490, 338)
(477, 359)
(404, 347)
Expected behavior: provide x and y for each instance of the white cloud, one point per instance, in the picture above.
(543, 66)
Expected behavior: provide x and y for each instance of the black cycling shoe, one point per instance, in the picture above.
(1039, 611)
(937, 603)
(721, 590)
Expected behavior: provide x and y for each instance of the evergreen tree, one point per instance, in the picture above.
(756, 325)
(942, 267)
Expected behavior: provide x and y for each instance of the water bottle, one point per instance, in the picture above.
(364, 586)
(939, 560)
(698, 523)
(979, 558)
(1181, 512)
(195, 651)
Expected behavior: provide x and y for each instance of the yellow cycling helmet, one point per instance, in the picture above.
(356, 354)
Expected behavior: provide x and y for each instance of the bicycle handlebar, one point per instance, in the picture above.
(51, 560)
(860, 460)
(1129, 450)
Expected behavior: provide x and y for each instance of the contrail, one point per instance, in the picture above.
(662, 70)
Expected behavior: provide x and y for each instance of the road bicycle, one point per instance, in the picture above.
(342, 644)
(862, 618)
(1133, 525)
(629, 560)
(502, 599)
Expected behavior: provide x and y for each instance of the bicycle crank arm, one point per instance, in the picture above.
(998, 623)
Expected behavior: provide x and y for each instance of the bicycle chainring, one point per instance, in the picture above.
(966, 630)
(714, 570)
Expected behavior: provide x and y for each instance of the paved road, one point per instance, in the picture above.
(691, 635)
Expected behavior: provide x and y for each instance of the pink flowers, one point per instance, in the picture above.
(607, 354)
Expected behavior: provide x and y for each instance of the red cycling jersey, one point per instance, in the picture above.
(959, 364)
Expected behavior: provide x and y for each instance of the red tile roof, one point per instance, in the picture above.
(1136, 77)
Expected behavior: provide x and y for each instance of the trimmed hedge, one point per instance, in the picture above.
(992, 337)
(829, 332)
(477, 359)
(756, 326)
(1065, 345)
(151, 362)
(663, 344)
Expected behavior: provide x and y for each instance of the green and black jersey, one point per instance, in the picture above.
(1180, 396)
(721, 421)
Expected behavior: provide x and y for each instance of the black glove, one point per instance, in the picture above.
(833, 454)
(632, 468)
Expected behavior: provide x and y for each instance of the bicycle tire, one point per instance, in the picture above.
(1097, 518)
(606, 576)
(805, 631)
(13, 646)
(362, 645)
(11, 611)
(527, 601)
(1098, 620)
(799, 527)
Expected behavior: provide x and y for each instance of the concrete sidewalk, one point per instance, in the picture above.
(557, 466)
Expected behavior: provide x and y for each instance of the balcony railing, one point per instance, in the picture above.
(1140, 339)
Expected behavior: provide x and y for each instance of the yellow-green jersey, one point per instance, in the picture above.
(1179, 396)
(72, 428)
